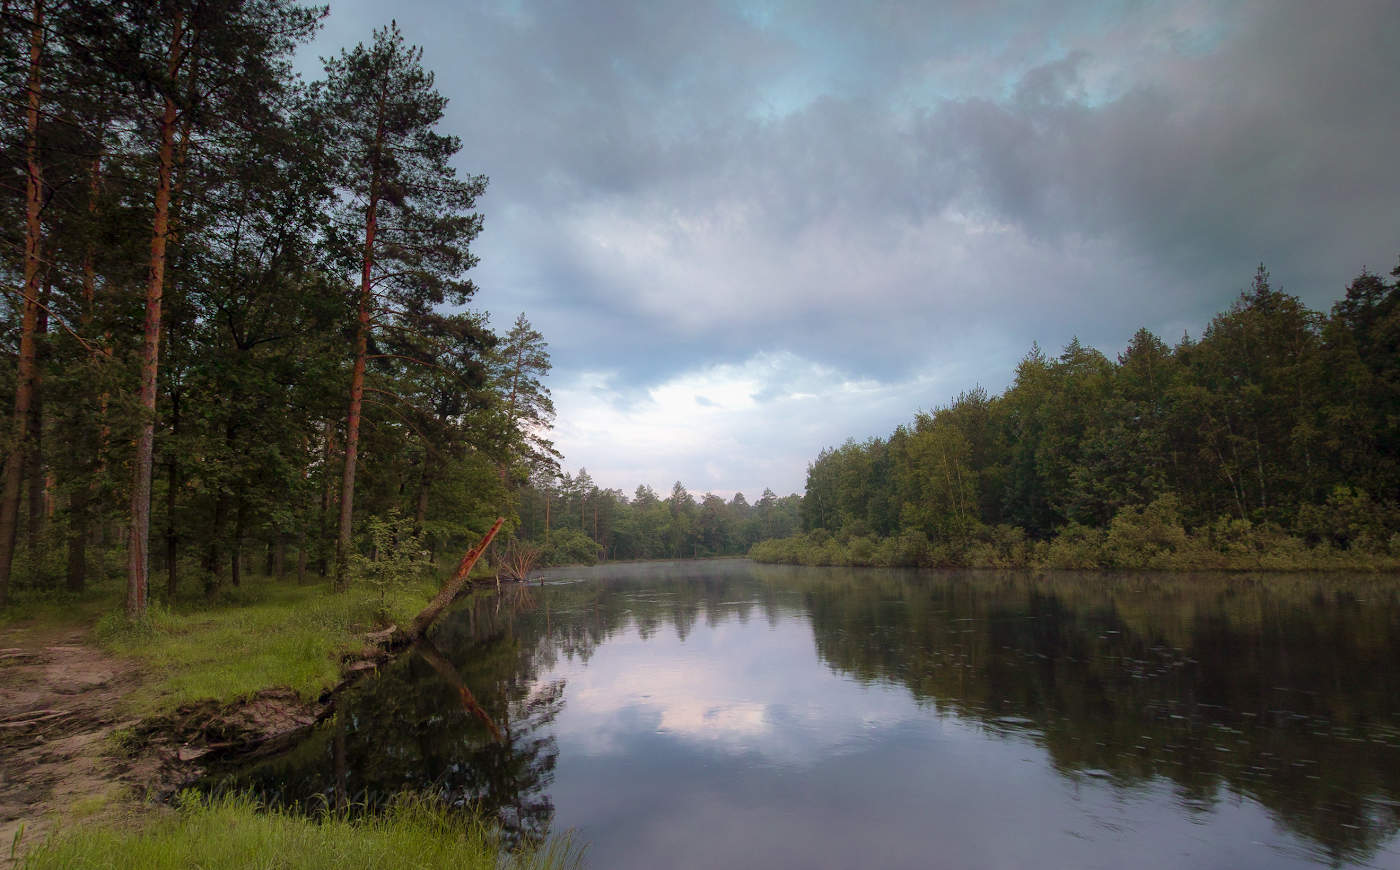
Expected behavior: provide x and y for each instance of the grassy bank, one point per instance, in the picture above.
(265, 633)
(235, 832)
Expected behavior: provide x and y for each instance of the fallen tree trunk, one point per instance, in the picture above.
(450, 589)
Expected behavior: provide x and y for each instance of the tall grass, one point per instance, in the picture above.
(237, 832)
(264, 634)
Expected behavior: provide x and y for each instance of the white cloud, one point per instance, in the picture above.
(901, 196)
(780, 707)
(724, 427)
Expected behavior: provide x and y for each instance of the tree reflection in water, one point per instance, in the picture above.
(1281, 689)
(409, 728)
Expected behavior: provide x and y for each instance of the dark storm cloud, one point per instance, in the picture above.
(891, 189)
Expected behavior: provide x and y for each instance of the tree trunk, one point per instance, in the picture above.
(323, 528)
(34, 459)
(80, 507)
(425, 483)
(172, 478)
(137, 569)
(78, 512)
(33, 240)
(239, 526)
(449, 591)
(357, 376)
(213, 556)
(301, 556)
(352, 424)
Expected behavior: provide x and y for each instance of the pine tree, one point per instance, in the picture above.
(415, 213)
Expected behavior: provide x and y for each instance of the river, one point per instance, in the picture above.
(729, 714)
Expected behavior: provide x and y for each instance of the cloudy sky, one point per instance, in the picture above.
(749, 230)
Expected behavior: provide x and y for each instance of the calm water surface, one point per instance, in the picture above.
(703, 714)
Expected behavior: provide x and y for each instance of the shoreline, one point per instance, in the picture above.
(106, 723)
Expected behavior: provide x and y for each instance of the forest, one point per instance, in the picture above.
(237, 338)
(253, 411)
(1273, 441)
(236, 329)
(571, 521)
(234, 323)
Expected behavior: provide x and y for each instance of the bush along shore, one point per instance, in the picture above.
(1148, 538)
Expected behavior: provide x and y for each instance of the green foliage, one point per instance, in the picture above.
(1145, 535)
(237, 832)
(396, 556)
(646, 526)
(1270, 442)
(1349, 520)
(569, 547)
(268, 210)
(1000, 546)
(1139, 538)
(1075, 546)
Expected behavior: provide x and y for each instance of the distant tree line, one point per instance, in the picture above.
(571, 520)
(1278, 432)
(225, 338)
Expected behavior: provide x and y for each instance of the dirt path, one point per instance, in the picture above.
(59, 702)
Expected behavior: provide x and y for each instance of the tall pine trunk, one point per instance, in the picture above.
(327, 493)
(425, 485)
(213, 556)
(357, 376)
(137, 567)
(172, 488)
(78, 514)
(239, 528)
(34, 455)
(420, 513)
(80, 507)
(33, 240)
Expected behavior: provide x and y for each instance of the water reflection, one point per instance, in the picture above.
(465, 717)
(704, 713)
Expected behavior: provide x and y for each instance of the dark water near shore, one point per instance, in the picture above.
(703, 714)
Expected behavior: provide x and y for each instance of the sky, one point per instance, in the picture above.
(751, 230)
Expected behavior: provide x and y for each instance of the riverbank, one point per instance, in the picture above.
(1136, 543)
(106, 720)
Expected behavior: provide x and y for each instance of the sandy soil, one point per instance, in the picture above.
(60, 698)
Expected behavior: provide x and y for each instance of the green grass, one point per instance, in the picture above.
(265, 634)
(56, 609)
(236, 832)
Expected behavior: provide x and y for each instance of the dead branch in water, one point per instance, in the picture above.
(518, 560)
(450, 589)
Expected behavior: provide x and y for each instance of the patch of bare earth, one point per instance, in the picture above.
(60, 700)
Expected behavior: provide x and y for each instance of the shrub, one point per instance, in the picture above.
(1349, 519)
(569, 547)
(999, 546)
(396, 558)
(1076, 546)
(1146, 537)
